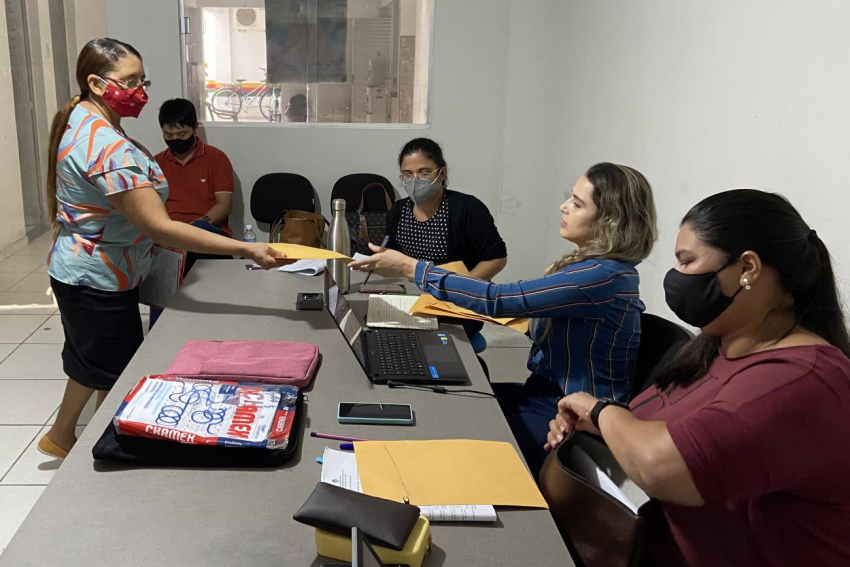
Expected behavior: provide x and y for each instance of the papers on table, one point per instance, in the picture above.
(299, 252)
(165, 277)
(340, 468)
(393, 312)
(428, 305)
(451, 471)
(305, 267)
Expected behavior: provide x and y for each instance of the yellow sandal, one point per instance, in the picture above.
(51, 449)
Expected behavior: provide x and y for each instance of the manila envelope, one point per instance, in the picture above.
(299, 252)
(428, 305)
(445, 472)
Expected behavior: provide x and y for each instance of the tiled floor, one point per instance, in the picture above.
(31, 382)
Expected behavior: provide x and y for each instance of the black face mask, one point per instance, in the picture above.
(179, 146)
(696, 299)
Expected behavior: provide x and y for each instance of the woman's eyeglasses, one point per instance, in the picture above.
(422, 174)
(130, 84)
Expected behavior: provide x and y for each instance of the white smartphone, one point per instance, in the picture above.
(380, 414)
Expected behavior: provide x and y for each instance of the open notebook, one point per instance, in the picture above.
(393, 312)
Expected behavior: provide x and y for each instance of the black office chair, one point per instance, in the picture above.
(350, 187)
(276, 192)
(660, 340)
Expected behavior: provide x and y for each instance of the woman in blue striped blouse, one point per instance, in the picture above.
(585, 310)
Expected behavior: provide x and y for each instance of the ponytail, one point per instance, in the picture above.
(817, 305)
(57, 130)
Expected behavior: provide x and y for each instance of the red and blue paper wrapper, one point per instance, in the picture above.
(209, 412)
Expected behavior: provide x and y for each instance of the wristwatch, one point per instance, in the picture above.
(602, 404)
(205, 218)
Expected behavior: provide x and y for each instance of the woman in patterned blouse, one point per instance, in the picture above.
(106, 195)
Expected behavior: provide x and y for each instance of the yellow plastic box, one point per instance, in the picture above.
(418, 543)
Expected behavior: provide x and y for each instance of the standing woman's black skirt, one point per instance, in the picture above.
(103, 330)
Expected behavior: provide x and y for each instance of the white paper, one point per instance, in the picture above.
(305, 267)
(393, 312)
(587, 468)
(459, 513)
(358, 256)
(340, 469)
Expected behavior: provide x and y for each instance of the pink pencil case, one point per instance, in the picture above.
(270, 362)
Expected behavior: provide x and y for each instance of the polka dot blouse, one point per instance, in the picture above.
(427, 240)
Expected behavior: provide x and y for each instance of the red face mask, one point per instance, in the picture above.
(125, 103)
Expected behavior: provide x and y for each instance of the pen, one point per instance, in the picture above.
(346, 446)
(335, 437)
(383, 247)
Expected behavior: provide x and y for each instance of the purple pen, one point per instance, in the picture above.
(335, 437)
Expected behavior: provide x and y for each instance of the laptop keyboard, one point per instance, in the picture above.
(399, 354)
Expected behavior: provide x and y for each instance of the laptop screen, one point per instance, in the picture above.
(345, 319)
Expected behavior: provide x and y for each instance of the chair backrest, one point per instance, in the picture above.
(660, 340)
(275, 192)
(350, 187)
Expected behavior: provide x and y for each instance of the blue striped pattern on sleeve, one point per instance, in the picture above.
(594, 308)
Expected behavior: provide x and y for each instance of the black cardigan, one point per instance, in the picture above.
(473, 236)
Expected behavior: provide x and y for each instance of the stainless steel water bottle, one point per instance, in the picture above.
(340, 241)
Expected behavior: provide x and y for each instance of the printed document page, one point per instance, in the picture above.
(393, 312)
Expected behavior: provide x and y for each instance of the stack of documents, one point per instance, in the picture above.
(428, 305)
(305, 267)
(340, 469)
(393, 312)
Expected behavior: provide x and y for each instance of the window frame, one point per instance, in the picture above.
(185, 29)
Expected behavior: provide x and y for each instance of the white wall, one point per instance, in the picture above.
(85, 20)
(707, 96)
(248, 51)
(12, 230)
(533, 176)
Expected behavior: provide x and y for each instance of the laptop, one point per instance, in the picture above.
(400, 355)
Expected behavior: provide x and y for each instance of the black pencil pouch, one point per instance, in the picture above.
(337, 510)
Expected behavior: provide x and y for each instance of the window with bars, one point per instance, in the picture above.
(313, 61)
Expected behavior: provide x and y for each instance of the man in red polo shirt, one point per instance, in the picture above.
(200, 177)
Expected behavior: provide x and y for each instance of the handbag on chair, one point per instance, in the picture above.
(298, 227)
(368, 226)
(599, 529)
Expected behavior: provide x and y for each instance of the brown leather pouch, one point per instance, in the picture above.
(599, 530)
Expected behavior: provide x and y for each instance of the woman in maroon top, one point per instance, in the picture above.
(746, 438)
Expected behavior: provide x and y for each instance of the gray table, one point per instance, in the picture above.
(96, 514)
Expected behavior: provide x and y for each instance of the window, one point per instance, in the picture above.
(315, 61)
